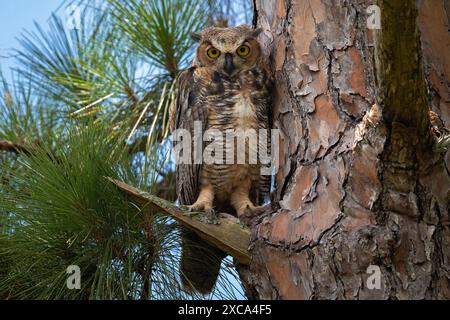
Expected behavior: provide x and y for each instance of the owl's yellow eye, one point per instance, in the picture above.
(243, 50)
(213, 53)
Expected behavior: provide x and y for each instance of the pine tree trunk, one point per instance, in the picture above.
(358, 185)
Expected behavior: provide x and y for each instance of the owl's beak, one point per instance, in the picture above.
(229, 66)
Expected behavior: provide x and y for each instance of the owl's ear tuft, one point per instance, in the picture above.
(256, 32)
(196, 36)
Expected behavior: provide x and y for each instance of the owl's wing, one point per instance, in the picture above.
(188, 107)
(200, 261)
(264, 114)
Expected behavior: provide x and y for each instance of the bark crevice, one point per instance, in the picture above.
(357, 182)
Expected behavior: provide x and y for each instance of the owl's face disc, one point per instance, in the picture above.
(228, 50)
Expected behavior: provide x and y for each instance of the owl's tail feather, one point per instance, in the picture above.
(200, 263)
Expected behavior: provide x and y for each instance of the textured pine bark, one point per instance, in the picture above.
(358, 185)
(434, 24)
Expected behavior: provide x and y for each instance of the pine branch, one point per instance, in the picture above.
(9, 146)
(229, 234)
(18, 149)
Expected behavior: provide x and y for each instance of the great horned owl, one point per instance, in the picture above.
(226, 88)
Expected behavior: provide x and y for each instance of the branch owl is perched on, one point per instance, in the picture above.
(226, 88)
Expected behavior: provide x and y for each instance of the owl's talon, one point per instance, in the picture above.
(190, 210)
(211, 213)
(250, 213)
(210, 216)
(195, 207)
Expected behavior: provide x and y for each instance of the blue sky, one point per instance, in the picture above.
(17, 16)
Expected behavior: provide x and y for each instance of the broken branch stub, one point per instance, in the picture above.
(228, 235)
